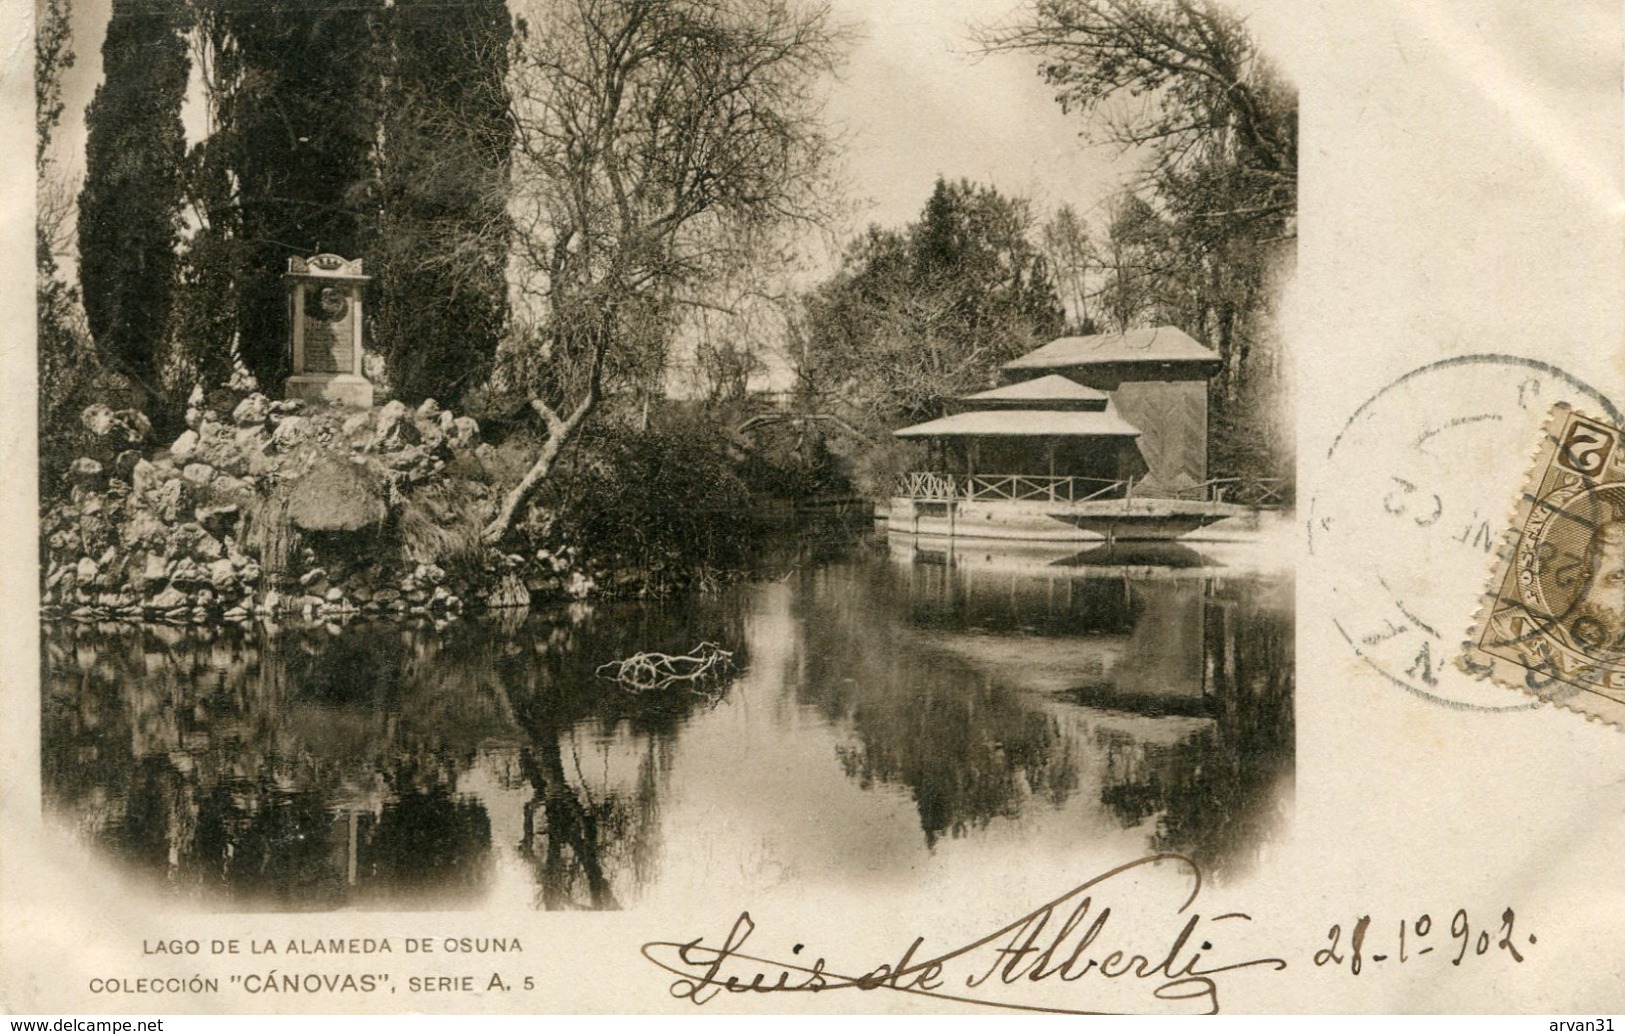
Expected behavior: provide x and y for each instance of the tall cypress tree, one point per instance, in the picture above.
(204, 328)
(444, 230)
(129, 209)
(305, 127)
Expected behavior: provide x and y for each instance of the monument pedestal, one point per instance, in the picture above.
(347, 388)
(324, 309)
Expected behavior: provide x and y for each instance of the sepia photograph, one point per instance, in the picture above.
(482, 442)
(786, 479)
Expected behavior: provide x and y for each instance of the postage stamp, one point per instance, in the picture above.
(1403, 529)
(1552, 622)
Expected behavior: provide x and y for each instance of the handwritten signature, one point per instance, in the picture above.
(1071, 938)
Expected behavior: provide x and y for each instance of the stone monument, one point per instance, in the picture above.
(324, 314)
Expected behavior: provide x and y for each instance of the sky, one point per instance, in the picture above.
(919, 103)
(913, 102)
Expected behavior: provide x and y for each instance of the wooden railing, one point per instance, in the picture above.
(1262, 493)
(1012, 487)
(1257, 492)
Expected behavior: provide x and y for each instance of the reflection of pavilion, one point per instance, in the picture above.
(1102, 436)
(1110, 629)
(1175, 680)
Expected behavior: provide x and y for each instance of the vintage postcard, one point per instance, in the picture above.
(767, 506)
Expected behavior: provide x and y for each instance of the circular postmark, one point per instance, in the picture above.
(1422, 483)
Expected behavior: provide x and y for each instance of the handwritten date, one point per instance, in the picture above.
(1418, 937)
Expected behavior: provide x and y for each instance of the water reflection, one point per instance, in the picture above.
(973, 703)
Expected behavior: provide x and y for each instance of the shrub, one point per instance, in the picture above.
(666, 505)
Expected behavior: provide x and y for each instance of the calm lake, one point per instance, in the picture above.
(895, 713)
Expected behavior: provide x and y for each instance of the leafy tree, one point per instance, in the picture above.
(724, 369)
(444, 235)
(70, 375)
(1215, 213)
(1134, 261)
(129, 210)
(203, 329)
(1071, 255)
(1180, 77)
(920, 316)
(657, 141)
(53, 55)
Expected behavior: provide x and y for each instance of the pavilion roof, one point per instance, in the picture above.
(1023, 423)
(1048, 388)
(1153, 345)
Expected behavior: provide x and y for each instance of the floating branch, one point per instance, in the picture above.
(647, 671)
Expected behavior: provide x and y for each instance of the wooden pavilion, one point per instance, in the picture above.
(1104, 434)
(1051, 426)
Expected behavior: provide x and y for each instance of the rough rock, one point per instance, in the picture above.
(242, 378)
(86, 570)
(312, 576)
(143, 528)
(199, 474)
(464, 434)
(217, 518)
(412, 460)
(252, 411)
(222, 574)
(396, 429)
(185, 571)
(85, 471)
(98, 419)
(168, 599)
(207, 547)
(128, 425)
(290, 432)
(250, 439)
(231, 490)
(429, 409)
(143, 477)
(134, 424)
(169, 499)
(185, 445)
(334, 495)
(259, 464)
